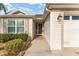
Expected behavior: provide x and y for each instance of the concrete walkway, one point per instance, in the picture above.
(39, 47)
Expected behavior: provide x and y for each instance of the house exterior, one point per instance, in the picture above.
(61, 25)
(58, 24)
(16, 21)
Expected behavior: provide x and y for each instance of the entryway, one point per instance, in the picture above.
(38, 28)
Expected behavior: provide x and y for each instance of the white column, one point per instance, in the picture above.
(55, 31)
(31, 28)
(1, 25)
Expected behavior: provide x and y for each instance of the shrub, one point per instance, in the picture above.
(8, 37)
(21, 36)
(14, 46)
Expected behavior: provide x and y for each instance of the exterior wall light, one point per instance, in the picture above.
(59, 18)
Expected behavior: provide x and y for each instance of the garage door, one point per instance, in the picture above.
(71, 31)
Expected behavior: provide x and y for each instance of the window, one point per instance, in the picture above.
(11, 26)
(75, 17)
(11, 29)
(66, 17)
(20, 23)
(15, 26)
(20, 26)
(20, 29)
(11, 23)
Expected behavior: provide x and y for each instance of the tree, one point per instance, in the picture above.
(2, 7)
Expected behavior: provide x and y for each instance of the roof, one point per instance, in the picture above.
(16, 16)
(59, 6)
(46, 12)
(64, 6)
(17, 12)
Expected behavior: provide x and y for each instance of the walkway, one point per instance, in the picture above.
(39, 47)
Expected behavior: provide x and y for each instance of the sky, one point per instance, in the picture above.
(29, 8)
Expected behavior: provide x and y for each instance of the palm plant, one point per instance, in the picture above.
(2, 7)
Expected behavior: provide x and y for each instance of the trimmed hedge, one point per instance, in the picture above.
(14, 46)
(8, 37)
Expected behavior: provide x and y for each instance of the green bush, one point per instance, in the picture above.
(8, 37)
(4, 37)
(14, 46)
(21, 36)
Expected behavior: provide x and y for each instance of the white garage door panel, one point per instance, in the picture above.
(71, 33)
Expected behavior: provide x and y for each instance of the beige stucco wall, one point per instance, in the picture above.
(46, 29)
(30, 28)
(71, 13)
(3, 25)
(34, 29)
(55, 31)
(26, 25)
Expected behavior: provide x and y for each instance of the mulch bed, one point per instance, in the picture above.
(1, 46)
(25, 47)
(2, 51)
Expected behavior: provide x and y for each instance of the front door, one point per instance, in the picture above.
(38, 28)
